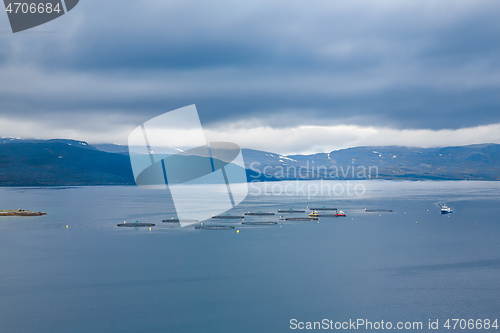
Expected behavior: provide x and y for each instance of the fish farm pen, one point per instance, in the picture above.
(301, 219)
(228, 217)
(135, 225)
(214, 227)
(327, 215)
(323, 208)
(378, 210)
(291, 211)
(259, 223)
(180, 220)
(259, 213)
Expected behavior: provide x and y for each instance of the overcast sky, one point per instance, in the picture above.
(284, 76)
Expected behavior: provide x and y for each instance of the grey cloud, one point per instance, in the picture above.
(412, 64)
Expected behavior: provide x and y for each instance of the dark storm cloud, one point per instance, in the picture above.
(400, 64)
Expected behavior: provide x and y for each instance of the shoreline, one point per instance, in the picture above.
(400, 180)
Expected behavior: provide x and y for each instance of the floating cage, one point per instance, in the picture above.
(180, 220)
(135, 225)
(259, 213)
(228, 217)
(301, 219)
(378, 210)
(290, 211)
(259, 223)
(327, 215)
(323, 208)
(214, 227)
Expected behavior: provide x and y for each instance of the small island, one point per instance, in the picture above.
(20, 212)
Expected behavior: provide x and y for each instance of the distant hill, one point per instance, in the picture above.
(76, 143)
(474, 162)
(112, 148)
(62, 162)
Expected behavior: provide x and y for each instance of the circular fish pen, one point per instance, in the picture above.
(290, 211)
(214, 227)
(323, 208)
(259, 223)
(259, 213)
(378, 210)
(327, 215)
(301, 219)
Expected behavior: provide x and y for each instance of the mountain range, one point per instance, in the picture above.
(60, 162)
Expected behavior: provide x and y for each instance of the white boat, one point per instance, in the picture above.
(445, 209)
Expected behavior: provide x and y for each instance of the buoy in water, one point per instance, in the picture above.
(149, 228)
(237, 231)
(67, 227)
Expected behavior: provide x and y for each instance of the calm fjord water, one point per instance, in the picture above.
(95, 277)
